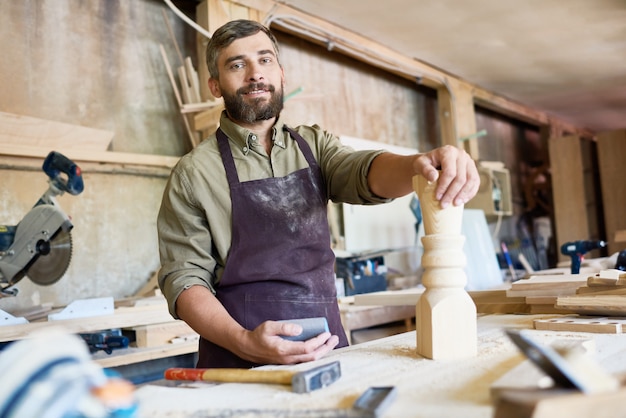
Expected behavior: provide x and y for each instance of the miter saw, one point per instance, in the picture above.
(40, 245)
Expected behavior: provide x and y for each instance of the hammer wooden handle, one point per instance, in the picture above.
(282, 377)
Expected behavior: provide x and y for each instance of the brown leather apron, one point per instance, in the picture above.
(280, 264)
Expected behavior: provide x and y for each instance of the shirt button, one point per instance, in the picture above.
(245, 149)
(253, 138)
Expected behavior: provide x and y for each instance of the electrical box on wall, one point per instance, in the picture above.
(494, 195)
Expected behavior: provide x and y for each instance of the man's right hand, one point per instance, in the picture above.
(265, 345)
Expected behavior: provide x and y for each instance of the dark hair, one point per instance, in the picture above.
(226, 34)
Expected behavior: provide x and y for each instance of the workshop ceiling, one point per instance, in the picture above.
(564, 57)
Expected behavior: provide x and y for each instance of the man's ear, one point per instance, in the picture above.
(214, 88)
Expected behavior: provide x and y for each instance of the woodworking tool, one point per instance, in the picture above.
(575, 372)
(311, 327)
(301, 382)
(40, 245)
(576, 250)
(371, 404)
(106, 341)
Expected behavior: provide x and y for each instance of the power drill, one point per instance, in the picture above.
(577, 250)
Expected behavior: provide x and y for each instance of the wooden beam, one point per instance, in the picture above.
(569, 200)
(154, 335)
(121, 318)
(611, 153)
(457, 117)
(77, 155)
(21, 130)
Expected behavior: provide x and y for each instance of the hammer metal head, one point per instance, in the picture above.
(315, 378)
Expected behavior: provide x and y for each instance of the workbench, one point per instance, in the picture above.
(354, 318)
(426, 388)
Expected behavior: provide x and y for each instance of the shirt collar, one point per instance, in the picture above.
(245, 139)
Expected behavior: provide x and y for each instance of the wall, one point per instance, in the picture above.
(97, 64)
(350, 98)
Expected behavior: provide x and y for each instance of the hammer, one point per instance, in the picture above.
(301, 382)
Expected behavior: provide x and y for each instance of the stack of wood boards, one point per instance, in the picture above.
(541, 291)
(601, 296)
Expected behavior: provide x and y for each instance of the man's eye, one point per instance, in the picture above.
(266, 60)
(237, 66)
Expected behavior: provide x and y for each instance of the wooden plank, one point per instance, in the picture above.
(607, 278)
(548, 285)
(611, 152)
(122, 317)
(609, 305)
(193, 139)
(21, 130)
(598, 325)
(202, 19)
(570, 208)
(486, 301)
(154, 335)
(90, 156)
(404, 297)
(138, 355)
(192, 77)
(601, 290)
(465, 117)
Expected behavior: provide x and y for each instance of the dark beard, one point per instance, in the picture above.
(258, 110)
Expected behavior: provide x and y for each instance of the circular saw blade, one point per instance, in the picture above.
(53, 260)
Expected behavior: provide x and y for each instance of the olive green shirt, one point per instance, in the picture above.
(194, 222)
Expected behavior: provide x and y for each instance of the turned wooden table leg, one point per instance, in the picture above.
(445, 315)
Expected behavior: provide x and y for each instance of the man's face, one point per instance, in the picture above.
(250, 79)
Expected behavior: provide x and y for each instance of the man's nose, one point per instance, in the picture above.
(255, 73)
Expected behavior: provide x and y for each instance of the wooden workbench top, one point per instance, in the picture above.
(426, 388)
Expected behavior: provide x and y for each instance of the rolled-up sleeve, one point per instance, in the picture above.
(345, 170)
(184, 241)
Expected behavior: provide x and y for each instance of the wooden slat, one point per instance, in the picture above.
(548, 285)
(21, 130)
(99, 156)
(597, 325)
(608, 305)
(138, 355)
(121, 318)
(154, 335)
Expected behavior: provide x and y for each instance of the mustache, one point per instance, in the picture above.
(256, 86)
